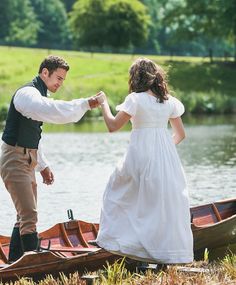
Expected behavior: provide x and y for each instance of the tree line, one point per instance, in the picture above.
(172, 27)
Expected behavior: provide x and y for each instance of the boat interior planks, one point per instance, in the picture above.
(63, 248)
(212, 213)
(214, 228)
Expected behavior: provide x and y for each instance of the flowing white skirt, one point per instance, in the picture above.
(145, 212)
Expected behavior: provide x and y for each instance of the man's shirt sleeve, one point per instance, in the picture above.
(31, 104)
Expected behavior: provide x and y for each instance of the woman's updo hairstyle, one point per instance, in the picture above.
(145, 75)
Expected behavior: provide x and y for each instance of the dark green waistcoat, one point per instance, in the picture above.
(20, 130)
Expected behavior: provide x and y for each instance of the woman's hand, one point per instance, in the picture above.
(101, 97)
(113, 123)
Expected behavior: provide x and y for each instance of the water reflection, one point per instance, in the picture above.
(83, 161)
(206, 120)
(210, 145)
(209, 157)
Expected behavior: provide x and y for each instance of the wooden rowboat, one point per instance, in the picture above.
(65, 249)
(214, 228)
(66, 246)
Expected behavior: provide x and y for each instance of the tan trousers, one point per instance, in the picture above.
(17, 166)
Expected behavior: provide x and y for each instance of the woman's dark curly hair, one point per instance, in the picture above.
(146, 75)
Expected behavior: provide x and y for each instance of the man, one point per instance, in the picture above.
(21, 150)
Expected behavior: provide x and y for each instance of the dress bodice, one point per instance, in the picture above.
(147, 112)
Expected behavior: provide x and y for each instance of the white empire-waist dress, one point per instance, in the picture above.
(30, 103)
(145, 213)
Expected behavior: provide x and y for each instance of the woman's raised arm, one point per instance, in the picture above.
(113, 123)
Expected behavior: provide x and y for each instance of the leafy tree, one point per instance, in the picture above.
(87, 21)
(20, 25)
(127, 23)
(156, 29)
(227, 21)
(53, 23)
(68, 4)
(117, 24)
(201, 20)
(6, 8)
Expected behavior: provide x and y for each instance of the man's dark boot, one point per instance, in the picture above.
(15, 248)
(30, 241)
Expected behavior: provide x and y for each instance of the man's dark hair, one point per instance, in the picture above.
(53, 62)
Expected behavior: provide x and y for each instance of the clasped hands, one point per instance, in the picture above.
(97, 100)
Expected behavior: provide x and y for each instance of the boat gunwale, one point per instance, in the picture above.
(58, 260)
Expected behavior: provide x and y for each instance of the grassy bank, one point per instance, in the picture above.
(203, 87)
(199, 273)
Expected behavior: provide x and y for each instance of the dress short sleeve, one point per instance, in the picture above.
(128, 106)
(177, 108)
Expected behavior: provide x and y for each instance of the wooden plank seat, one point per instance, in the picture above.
(217, 213)
(226, 210)
(205, 216)
(73, 249)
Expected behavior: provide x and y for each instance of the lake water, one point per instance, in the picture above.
(83, 160)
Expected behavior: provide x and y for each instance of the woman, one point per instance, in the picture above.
(145, 213)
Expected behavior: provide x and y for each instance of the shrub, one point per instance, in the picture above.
(3, 112)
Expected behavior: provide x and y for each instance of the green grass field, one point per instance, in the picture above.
(203, 87)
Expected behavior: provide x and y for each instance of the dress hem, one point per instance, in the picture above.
(140, 254)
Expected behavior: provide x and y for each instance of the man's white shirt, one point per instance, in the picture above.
(31, 104)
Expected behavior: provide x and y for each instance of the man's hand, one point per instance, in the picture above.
(48, 177)
(93, 102)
